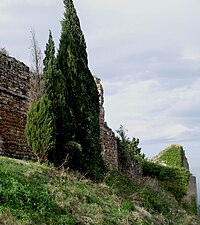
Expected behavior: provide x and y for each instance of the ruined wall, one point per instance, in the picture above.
(133, 171)
(177, 152)
(107, 136)
(14, 102)
(109, 143)
(191, 196)
(14, 87)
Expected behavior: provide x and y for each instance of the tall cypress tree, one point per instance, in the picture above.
(55, 90)
(49, 67)
(81, 95)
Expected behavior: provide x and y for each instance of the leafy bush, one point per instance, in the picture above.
(194, 207)
(128, 150)
(40, 129)
(73, 150)
(173, 179)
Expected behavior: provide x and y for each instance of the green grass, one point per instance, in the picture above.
(38, 194)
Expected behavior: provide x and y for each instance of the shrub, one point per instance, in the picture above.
(173, 179)
(128, 150)
(40, 129)
(73, 151)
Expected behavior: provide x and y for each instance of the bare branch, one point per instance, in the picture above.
(37, 83)
(3, 51)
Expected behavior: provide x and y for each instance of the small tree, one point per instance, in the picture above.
(128, 150)
(40, 129)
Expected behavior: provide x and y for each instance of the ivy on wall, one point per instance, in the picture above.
(173, 179)
(172, 156)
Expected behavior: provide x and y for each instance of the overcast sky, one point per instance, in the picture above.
(147, 54)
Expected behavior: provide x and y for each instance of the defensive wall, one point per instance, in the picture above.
(14, 88)
(14, 103)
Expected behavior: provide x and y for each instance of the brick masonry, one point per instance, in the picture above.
(14, 87)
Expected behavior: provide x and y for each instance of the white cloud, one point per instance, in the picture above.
(151, 113)
(192, 53)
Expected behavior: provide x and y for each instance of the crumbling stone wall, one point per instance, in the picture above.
(134, 170)
(191, 196)
(14, 87)
(109, 142)
(107, 136)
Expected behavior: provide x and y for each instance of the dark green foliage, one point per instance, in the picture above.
(50, 70)
(73, 150)
(55, 90)
(172, 156)
(173, 179)
(80, 116)
(40, 128)
(128, 150)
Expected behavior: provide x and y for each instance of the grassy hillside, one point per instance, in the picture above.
(38, 194)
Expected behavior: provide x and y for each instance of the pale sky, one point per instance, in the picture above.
(147, 54)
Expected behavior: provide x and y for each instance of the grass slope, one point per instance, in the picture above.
(38, 194)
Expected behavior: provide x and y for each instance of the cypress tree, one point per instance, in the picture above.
(55, 90)
(41, 119)
(40, 128)
(81, 120)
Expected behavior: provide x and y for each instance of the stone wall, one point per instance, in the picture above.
(14, 87)
(134, 170)
(107, 136)
(14, 102)
(191, 196)
(109, 142)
